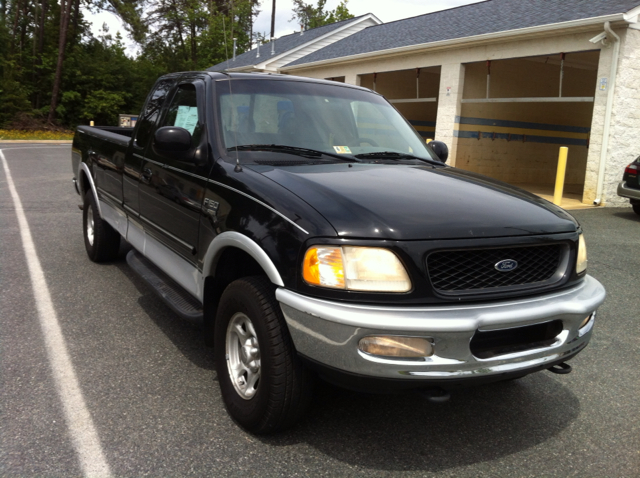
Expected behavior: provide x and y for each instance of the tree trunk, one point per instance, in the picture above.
(194, 45)
(180, 33)
(23, 32)
(76, 15)
(44, 10)
(44, 7)
(65, 14)
(15, 27)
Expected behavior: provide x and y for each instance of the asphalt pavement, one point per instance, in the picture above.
(150, 386)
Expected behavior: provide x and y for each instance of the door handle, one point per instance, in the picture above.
(146, 175)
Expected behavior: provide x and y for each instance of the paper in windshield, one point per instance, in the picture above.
(187, 118)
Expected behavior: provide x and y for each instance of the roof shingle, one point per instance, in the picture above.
(490, 16)
(283, 44)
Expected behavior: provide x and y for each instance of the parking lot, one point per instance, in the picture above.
(149, 385)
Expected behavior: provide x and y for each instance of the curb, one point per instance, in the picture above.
(38, 141)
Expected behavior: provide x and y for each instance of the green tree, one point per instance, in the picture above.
(190, 35)
(103, 106)
(51, 66)
(310, 16)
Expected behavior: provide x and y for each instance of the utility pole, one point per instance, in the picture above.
(273, 19)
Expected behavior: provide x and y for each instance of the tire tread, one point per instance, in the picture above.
(290, 391)
(106, 240)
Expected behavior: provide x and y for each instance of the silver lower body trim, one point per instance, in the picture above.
(329, 332)
(625, 192)
(115, 217)
(184, 273)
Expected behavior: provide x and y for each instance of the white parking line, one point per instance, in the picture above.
(34, 147)
(83, 433)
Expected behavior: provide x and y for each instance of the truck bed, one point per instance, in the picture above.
(103, 148)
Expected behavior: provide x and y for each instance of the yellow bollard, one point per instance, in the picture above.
(562, 169)
(90, 123)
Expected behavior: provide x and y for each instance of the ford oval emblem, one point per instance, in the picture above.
(506, 265)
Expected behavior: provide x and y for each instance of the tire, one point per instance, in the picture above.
(101, 241)
(264, 386)
(636, 208)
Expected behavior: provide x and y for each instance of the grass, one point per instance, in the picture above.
(13, 134)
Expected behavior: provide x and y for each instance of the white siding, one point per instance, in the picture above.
(319, 43)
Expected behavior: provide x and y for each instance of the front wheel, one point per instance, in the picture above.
(263, 384)
(636, 208)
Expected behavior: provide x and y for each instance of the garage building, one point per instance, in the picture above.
(504, 83)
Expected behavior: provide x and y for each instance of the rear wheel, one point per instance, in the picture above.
(263, 384)
(636, 208)
(101, 241)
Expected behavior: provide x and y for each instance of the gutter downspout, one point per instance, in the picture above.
(607, 114)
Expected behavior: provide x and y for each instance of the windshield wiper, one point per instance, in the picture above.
(282, 148)
(393, 155)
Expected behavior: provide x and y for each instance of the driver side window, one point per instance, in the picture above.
(151, 111)
(183, 111)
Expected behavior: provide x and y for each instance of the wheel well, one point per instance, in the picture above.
(84, 183)
(231, 265)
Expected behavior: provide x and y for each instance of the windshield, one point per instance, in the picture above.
(265, 115)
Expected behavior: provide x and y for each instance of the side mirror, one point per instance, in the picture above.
(172, 139)
(440, 149)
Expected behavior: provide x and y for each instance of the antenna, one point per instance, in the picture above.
(238, 168)
(224, 32)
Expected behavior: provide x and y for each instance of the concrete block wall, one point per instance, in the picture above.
(533, 77)
(519, 161)
(418, 111)
(624, 140)
(523, 160)
(449, 107)
(597, 127)
(402, 84)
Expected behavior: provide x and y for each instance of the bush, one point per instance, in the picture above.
(13, 99)
(103, 107)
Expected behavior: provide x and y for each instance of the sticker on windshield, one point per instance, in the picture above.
(342, 149)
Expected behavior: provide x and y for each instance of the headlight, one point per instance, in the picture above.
(581, 263)
(355, 268)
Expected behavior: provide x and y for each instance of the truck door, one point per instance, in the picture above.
(172, 187)
(141, 137)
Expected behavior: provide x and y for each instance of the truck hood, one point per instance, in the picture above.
(413, 202)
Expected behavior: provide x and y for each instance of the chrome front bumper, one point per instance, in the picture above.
(625, 192)
(329, 332)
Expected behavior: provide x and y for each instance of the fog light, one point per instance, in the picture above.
(587, 320)
(397, 347)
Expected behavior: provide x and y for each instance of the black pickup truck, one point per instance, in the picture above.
(314, 233)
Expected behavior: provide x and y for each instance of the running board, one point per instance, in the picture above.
(179, 300)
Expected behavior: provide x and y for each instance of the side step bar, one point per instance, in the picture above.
(180, 301)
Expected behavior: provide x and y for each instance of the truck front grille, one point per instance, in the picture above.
(474, 270)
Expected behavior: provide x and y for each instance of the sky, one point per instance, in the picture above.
(385, 10)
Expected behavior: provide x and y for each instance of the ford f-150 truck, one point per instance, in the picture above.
(314, 233)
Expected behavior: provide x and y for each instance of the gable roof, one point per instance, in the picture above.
(287, 43)
(490, 16)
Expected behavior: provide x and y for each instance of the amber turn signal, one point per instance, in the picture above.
(323, 266)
